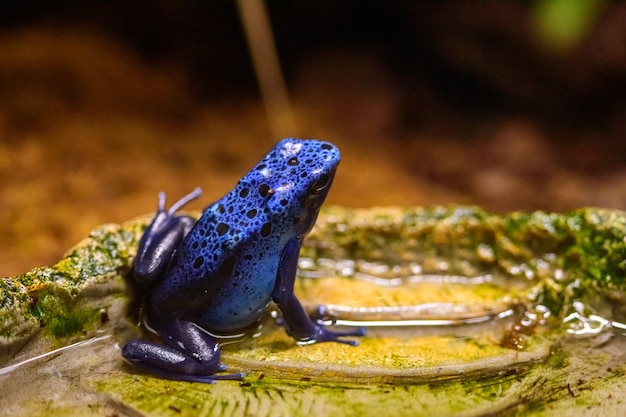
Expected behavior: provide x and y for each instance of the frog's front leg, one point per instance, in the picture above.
(297, 322)
(191, 354)
(161, 238)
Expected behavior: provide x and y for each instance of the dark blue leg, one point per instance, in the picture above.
(191, 354)
(161, 238)
(297, 322)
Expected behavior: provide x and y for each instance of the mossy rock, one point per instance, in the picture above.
(468, 313)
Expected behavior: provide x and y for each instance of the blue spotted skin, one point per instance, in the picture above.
(224, 272)
(221, 273)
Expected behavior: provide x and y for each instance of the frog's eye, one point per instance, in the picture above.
(320, 184)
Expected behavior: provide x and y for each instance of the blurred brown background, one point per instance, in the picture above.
(104, 104)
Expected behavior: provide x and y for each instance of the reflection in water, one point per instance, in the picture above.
(47, 355)
(583, 323)
(374, 294)
(382, 274)
(332, 315)
(444, 299)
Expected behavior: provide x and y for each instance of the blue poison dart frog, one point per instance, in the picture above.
(218, 275)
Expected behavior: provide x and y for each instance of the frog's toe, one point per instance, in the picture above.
(236, 376)
(209, 379)
(324, 335)
(359, 331)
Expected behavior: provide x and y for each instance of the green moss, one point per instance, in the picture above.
(558, 359)
(45, 296)
(59, 318)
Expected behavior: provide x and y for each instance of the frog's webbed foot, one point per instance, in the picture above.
(322, 334)
(319, 332)
(191, 355)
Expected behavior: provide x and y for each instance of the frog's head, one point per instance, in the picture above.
(312, 164)
(293, 180)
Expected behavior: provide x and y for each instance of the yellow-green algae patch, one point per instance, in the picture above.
(276, 398)
(556, 387)
(389, 355)
(396, 301)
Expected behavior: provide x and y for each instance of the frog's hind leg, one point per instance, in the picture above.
(191, 354)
